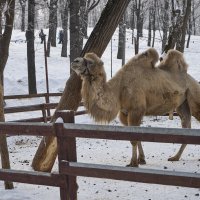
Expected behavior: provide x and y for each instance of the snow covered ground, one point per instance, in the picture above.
(23, 148)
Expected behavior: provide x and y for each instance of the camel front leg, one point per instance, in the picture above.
(185, 115)
(141, 158)
(134, 119)
(134, 159)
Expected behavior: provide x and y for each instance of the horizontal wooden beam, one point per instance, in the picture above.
(37, 178)
(165, 135)
(28, 108)
(26, 128)
(162, 177)
(24, 96)
(35, 119)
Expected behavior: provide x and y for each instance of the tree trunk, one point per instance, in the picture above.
(110, 17)
(52, 25)
(121, 39)
(85, 25)
(189, 32)
(0, 23)
(149, 27)
(5, 161)
(154, 23)
(165, 23)
(84, 18)
(4, 52)
(133, 21)
(53, 21)
(193, 18)
(23, 18)
(181, 40)
(140, 18)
(23, 9)
(31, 48)
(75, 33)
(138, 13)
(65, 30)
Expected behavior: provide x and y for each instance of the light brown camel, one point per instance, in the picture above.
(138, 89)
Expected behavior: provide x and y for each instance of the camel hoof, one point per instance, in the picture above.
(173, 159)
(132, 164)
(142, 161)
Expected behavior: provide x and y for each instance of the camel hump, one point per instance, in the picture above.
(146, 59)
(174, 61)
(150, 55)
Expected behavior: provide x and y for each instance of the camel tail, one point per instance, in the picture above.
(193, 97)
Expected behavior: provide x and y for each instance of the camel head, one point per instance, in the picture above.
(174, 60)
(88, 66)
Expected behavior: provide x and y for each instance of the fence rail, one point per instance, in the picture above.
(131, 174)
(45, 107)
(37, 178)
(26, 96)
(69, 168)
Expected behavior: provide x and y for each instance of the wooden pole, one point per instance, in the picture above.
(5, 161)
(46, 75)
(67, 154)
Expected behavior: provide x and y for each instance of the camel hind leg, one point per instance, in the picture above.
(185, 115)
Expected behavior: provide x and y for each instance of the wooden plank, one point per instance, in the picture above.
(37, 178)
(24, 96)
(165, 135)
(62, 151)
(15, 128)
(82, 112)
(27, 108)
(162, 177)
(35, 119)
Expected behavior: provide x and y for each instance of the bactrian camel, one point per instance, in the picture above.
(139, 89)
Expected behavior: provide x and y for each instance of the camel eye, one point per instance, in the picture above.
(76, 60)
(89, 62)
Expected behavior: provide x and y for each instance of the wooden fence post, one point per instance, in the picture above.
(66, 151)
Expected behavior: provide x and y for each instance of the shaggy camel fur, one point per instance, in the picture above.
(138, 88)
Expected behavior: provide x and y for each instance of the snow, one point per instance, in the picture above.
(23, 148)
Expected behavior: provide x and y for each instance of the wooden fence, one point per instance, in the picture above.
(44, 108)
(69, 168)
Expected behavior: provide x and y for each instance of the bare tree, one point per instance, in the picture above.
(132, 20)
(111, 15)
(138, 24)
(150, 24)
(122, 39)
(185, 18)
(154, 21)
(31, 48)
(9, 7)
(178, 28)
(85, 7)
(52, 25)
(64, 16)
(165, 22)
(75, 33)
(23, 7)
